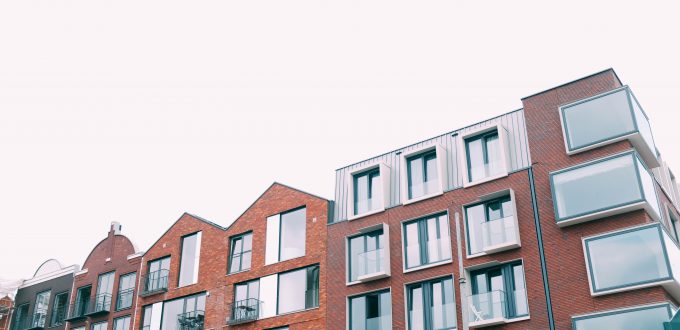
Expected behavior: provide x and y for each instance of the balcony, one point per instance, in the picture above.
(371, 265)
(633, 258)
(487, 309)
(77, 311)
(59, 315)
(191, 320)
(607, 118)
(602, 188)
(243, 311)
(101, 305)
(155, 282)
(124, 299)
(38, 320)
(499, 235)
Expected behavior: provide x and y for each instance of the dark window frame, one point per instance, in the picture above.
(120, 292)
(426, 292)
(507, 273)
(363, 295)
(374, 234)
(370, 174)
(485, 136)
(421, 224)
(232, 242)
(55, 308)
(426, 155)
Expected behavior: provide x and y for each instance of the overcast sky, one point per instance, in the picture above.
(137, 111)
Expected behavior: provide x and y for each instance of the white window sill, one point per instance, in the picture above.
(421, 198)
(372, 212)
(467, 184)
(438, 263)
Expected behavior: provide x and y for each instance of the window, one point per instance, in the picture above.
(21, 318)
(607, 118)
(241, 253)
(627, 258)
(157, 277)
(147, 312)
(423, 178)
(645, 317)
(498, 294)
(431, 305)
(491, 225)
(286, 233)
(367, 191)
(104, 292)
(42, 303)
(298, 290)
(99, 326)
(371, 311)
(367, 256)
(82, 301)
(187, 313)
(427, 241)
(246, 306)
(673, 225)
(602, 188)
(59, 309)
(126, 290)
(189, 261)
(78, 328)
(484, 156)
(121, 323)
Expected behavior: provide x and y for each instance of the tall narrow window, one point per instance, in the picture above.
(147, 313)
(484, 156)
(42, 303)
(673, 225)
(99, 326)
(427, 241)
(157, 276)
(59, 309)
(366, 255)
(187, 313)
(367, 191)
(423, 177)
(104, 292)
(490, 224)
(82, 301)
(126, 289)
(20, 320)
(191, 252)
(241, 253)
(121, 323)
(431, 305)
(246, 306)
(372, 311)
(498, 293)
(286, 236)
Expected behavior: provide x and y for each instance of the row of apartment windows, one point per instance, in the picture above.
(39, 317)
(84, 304)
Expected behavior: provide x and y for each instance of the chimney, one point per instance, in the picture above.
(115, 228)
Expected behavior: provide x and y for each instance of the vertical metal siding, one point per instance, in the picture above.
(517, 146)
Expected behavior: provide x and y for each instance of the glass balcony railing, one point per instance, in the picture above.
(242, 311)
(379, 323)
(367, 205)
(424, 188)
(607, 118)
(486, 309)
(155, 282)
(370, 262)
(191, 320)
(438, 249)
(499, 234)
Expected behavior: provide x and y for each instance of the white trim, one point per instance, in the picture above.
(624, 309)
(135, 255)
(348, 298)
(505, 153)
(49, 276)
(384, 172)
(387, 265)
(500, 247)
(438, 263)
(440, 154)
(428, 279)
(80, 272)
(607, 213)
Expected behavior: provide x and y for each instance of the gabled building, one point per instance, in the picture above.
(277, 269)
(104, 291)
(41, 302)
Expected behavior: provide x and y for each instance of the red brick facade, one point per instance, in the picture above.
(6, 304)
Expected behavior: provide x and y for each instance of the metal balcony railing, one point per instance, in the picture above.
(242, 311)
(58, 315)
(124, 299)
(77, 310)
(155, 282)
(39, 317)
(191, 320)
(100, 305)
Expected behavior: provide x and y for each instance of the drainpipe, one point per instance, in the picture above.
(139, 283)
(461, 274)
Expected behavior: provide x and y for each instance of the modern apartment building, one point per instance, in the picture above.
(558, 215)
(105, 290)
(41, 302)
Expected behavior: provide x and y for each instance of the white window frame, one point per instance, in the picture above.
(440, 153)
(384, 179)
(482, 199)
(505, 153)
(375, 276)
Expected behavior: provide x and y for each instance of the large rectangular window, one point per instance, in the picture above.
(286, 236)
(241, 253)
(601, 188)
(79, 309)
(484, 156)
(427, 241)
(371, 311)
(298, 290)
(498, 294)
(187, 313)
(246, 306)
(59, 309)
(104, 292)
(367, 255)
(645, 317)
(121, 323)
(126, 289)
(20, 320)
(367, 191)
(431, 305)
(99, 326)
(627, 258)
(423, 175)
(42, 303)
(157, 275)
(491, 225)
(190, 259)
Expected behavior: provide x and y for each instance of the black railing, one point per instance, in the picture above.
(58, 315)
(39, 318)
(191, 320)
(77, 310)
(20, 323)
(100, 305)
(243, 311)
(124, 299)
(155, 282)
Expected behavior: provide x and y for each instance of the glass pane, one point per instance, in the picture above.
(293, 234)
(520, 293)
(121, 323)
(474, 216)
(190, 251)
(432, 175)
(475, 155)
(438, 241)
(643, 125)
(376, 198)
(268, 289)
(597, 120)
(361, 194)
(292, 288)
(240, 292)
(416, 177)
(272, 244)
(627, 258)
(494, 163)
(412, 245)
(648, 187)
(105, 284)
(642, 319)
(146, 317)
(415, 309)
(595, 187)
(171, 309)
(358, 313)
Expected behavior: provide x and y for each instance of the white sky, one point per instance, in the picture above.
(136, 111)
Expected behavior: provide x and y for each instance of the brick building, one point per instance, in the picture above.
(560, 214)
(6, 305)
(105, 290)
